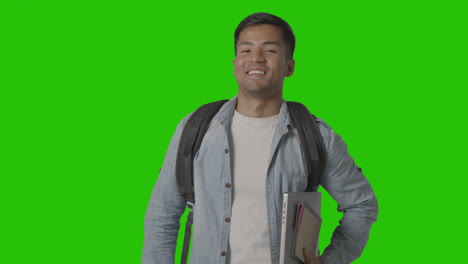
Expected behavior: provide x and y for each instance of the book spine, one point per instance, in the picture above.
(283, 228)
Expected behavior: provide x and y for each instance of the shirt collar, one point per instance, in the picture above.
(227, 111)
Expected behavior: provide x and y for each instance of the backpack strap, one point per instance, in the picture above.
(189, 144)
(311, 142)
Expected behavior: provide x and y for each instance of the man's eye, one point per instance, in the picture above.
(245, 51)
(270, 51)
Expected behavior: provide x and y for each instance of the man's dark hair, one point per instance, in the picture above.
(265, 18)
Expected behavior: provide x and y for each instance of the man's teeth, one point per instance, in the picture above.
(256, 72)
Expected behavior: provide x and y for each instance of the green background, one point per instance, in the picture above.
(91, 92)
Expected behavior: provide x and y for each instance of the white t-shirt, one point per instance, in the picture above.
(252, 139)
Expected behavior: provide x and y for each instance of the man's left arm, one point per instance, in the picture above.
(355, 197)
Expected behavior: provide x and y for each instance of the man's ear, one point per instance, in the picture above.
(234, 62)
(290, 67)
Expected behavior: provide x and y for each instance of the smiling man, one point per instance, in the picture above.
(249, 157)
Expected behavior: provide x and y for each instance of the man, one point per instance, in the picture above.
(249, 157)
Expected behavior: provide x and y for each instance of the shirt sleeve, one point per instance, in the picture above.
(355, 197)
(164, 210)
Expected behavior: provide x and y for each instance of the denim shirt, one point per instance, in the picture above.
(287, 172)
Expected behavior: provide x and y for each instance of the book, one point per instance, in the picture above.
(306, 232)
(292, 202)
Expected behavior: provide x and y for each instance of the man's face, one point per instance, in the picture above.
(262, 61)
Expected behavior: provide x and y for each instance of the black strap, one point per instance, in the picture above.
(189, 144)
(188, 234)
(311, 142)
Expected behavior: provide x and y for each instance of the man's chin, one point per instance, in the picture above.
(256, 90)
(259, 92)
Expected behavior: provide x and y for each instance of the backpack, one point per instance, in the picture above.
(192, 135)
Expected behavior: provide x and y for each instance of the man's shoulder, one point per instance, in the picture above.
(324, 128)
(321, 123)
(217, 106)
(300, 105)
(184, 121)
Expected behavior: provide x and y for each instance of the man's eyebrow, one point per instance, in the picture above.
(272, 43)
(247, 43)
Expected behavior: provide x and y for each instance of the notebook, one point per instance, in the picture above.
(291, 241)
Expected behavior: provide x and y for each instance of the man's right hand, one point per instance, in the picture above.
(309, 259)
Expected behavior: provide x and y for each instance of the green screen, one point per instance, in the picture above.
(91, 92)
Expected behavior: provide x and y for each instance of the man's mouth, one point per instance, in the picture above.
(251, 72)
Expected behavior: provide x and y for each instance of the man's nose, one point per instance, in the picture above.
(257, 56)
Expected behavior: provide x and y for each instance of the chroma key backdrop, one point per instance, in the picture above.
(91, 92)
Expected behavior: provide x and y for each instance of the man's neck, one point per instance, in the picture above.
(258, 107)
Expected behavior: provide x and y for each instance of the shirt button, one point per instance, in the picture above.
(228, 185)
(223, 254)
(228, 220)
(226, 150)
